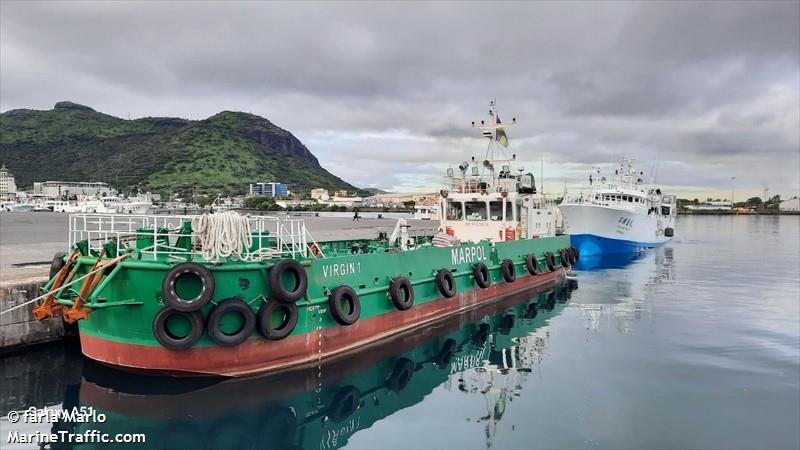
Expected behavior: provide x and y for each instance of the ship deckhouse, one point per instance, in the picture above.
(490, 198)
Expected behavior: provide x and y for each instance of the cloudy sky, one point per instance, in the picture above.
(383, 93)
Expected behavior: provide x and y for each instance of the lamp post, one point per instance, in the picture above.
(732, 180)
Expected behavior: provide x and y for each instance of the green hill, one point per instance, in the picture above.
(223, 153)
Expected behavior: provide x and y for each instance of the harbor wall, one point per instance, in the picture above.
(18, 329)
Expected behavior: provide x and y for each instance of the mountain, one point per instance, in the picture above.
(223, 153)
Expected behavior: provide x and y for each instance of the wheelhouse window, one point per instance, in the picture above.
(475, 210)
(496, 210)
(455, 211)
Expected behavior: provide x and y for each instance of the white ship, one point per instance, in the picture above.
(488, 199)
(619, 215)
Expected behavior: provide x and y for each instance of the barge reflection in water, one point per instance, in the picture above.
(485, 353)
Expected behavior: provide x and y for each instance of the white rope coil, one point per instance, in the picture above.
(222, 235)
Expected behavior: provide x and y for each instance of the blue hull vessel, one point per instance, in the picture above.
(589, 244)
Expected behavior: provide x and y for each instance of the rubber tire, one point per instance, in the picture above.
(228, 306)
(506, 324)
(174, 300)
(279, 291)
(171, 343)
(401, 374)
(564, 257)
(264, 324)
(483, 278)
(446, 283)
(550, 260)
(577, 253)
(344, 403)
(446, 353)
(532, 264)
(480, 336)
(508, 270)
(57, 264)
(335, 305)
(396, 289)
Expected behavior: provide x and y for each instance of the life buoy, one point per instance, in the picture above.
(401, 374)
(296, 274)
(345, 305)
(276, 331)
(186, 272)
(446, 283)
(315, 250)
(482, 276)
(236, 306)
(402, 293)
(344, 403)
(508, 270)
(564, 257)
(532, 264)
(169, 339)
(550, 260)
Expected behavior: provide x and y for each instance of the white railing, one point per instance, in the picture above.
(159, 235)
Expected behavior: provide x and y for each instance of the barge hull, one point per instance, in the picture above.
(259, 355)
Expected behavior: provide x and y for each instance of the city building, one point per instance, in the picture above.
(269, 189)
(66, 189)
(340, 193)
(320, 194)
(790, 205)
(8, 188)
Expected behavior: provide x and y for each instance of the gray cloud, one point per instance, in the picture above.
(708, 88)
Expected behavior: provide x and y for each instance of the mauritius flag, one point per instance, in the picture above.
(500, 134)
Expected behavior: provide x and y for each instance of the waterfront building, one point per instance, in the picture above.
(340, 193)
(320, 194)
(711, 206)
(8, 188)
(790, 205)
(52, 189)
(269, 189)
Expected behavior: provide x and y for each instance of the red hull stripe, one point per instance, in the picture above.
(259, 355)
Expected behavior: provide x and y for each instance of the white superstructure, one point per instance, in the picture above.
(491, 199)
(619, 215)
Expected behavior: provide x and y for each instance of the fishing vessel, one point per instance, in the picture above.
(231, 295)
(619, 215)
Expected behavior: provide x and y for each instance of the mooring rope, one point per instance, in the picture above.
(223, 234)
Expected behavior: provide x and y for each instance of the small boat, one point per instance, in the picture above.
(619, 215)
(229, 295)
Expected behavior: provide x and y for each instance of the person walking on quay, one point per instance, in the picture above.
(355, 215)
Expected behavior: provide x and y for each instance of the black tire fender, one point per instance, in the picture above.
(170, 341)
(564, 257)
(532, 264)
(446, 283)
(264, 319)
(344, 403)
(279, 291)
(402, 293)
(550, 260)
(576, 253)
(509, 270)
(57, 264)
(401, 374)
(348, 295)
(231, 305)
(482, 276)
(171, 295)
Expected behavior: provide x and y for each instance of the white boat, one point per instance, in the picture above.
(488, 198)
(619, 215)
(24, 207)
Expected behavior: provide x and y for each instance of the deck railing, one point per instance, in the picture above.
(171, 235)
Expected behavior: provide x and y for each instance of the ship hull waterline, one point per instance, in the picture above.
(256, 356)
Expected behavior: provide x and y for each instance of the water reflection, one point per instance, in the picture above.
(486, 353)
(620, 300)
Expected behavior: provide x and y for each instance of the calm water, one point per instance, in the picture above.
(695, 345)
